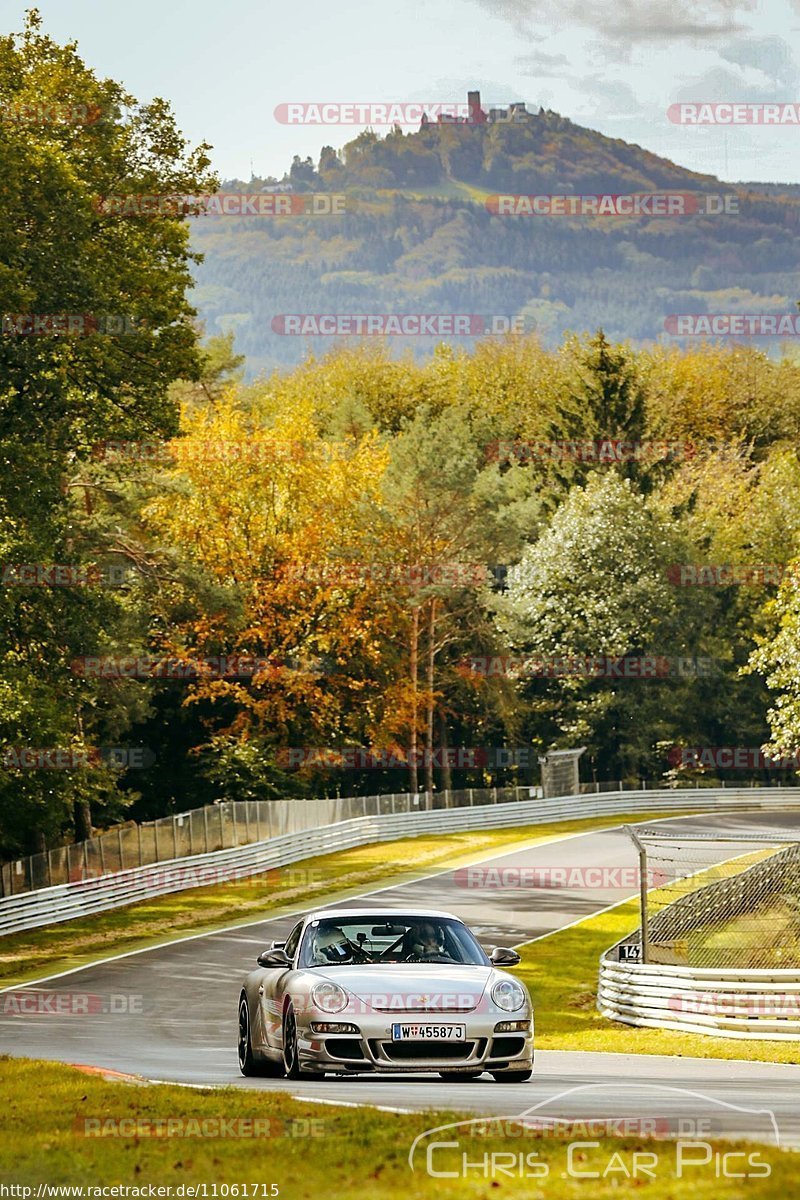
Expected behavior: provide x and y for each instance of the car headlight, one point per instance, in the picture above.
(328, 997)
(508, 995)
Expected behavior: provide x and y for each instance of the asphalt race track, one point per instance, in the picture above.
(169, 1014)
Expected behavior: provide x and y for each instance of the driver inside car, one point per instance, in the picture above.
(331, 946)
(425, 939)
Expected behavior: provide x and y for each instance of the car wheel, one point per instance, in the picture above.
(511, 1076)
(459, 1076)
(248, 1063)
(291, 1055)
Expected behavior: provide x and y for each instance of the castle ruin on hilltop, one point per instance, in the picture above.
(475, 115)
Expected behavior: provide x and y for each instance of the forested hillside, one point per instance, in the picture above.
(418, 234)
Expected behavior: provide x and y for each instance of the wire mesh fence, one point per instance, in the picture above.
(223, 825)
(219, 826)
(709, 901)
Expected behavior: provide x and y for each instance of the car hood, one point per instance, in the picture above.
(412, 987)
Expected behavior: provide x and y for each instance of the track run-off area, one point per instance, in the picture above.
(173, 1018)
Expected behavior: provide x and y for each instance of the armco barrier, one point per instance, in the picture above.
(81, 898)
(757, 1004)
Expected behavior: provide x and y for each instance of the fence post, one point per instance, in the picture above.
(205, 825)
(155, 839)
(141, 852)
(258, 819)
(121, 856)
(102, 856)
(49, 868)
(642, 889)
(174, 836)
(221, 826)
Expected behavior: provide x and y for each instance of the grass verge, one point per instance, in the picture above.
(327, 878)
(308, 1150)
(561, 971)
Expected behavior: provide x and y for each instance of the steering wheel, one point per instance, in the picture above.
(366, 955)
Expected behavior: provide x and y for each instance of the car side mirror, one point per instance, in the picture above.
(500, 957)
(274, 958)
(277, 945)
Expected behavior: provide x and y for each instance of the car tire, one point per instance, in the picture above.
(291, 1061)
(248, 1063)
(459, 1076)
(511, 1076)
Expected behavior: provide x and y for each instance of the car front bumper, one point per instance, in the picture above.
(372, 1048)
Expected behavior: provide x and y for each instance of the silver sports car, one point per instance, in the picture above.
(362, 990)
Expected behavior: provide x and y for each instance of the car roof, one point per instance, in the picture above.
(355, 913)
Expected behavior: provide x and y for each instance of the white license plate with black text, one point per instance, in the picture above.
(429, 1033)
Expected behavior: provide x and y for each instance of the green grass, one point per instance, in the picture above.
(321, 880)
(561, 972)
(307, 1150)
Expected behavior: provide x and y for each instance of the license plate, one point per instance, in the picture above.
(429, 1033)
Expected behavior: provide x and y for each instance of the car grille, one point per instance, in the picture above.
(405, 1051)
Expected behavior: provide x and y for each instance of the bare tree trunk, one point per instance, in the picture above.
(81, 810)
(414, 668)
(82, 817)
(430, 703)
(446, 775)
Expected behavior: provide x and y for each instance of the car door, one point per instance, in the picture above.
(273, 990)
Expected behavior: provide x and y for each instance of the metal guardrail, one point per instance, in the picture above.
(393, 817)
(759, 1004)
(219, 826)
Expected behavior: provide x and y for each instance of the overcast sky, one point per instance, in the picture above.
(613, 65)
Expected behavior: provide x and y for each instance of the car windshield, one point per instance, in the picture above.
(389, 940)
